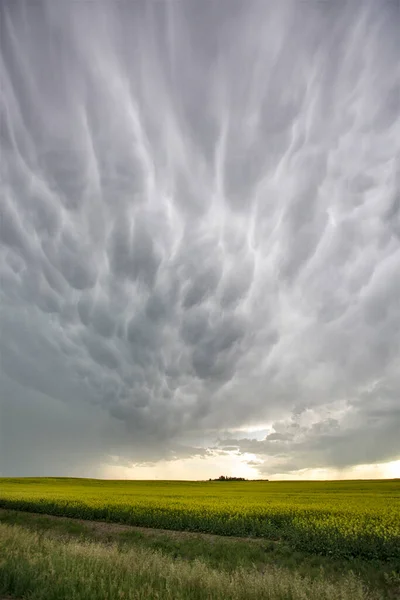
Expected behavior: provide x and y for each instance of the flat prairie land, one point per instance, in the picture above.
(235, 539)
(342, 518)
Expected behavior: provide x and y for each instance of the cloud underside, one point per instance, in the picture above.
(200, 232)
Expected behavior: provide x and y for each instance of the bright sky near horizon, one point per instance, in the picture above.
(200, 239)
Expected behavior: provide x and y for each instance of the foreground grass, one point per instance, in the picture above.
(38, 565)
(217, 553)
(344, 519)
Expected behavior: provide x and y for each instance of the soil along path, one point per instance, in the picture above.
(104, 529)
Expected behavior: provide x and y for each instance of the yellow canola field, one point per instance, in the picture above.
(339, 518)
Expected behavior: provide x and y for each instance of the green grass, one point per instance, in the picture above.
(218, 553)
(342, 519)
(41, 565)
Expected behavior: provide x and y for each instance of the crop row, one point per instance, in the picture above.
(346, 534)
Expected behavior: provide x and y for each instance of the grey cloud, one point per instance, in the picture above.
(84, 308)
(103, 320)
(133, 254)
(200, 231)
(194, 325)
(280, 437)
(66, 176)
(236, 284)
(73, 258)
(362, 435)
(11, 231)
(102, 353)
(156, 308)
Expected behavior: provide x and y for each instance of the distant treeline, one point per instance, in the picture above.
(226, 478)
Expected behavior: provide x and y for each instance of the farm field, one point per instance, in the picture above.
(55, 559)
(343, 519)
(80, 538)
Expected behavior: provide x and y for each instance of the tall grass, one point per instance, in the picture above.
(42, 568)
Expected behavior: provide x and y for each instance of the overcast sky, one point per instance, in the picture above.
(200, 238)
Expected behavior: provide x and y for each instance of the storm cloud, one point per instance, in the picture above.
(200, 232)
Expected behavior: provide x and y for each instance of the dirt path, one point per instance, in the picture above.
(102, 529)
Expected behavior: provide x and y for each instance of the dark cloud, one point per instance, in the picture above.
(361, 433)
(199, 233)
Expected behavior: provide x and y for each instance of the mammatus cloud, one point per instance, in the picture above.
(200, 232)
